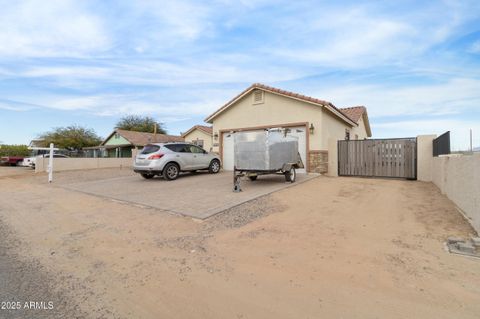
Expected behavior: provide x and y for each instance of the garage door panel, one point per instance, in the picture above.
(228, 152)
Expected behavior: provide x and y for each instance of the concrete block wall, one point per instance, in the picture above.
(425, 157)
(67, 164)
(458, 177)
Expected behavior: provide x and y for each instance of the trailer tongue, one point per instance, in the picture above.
(271, 151)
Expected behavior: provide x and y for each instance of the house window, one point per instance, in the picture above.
(198, 142)
(347, 134)
(258, 97)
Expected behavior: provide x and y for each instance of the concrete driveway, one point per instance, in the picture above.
(199, 195)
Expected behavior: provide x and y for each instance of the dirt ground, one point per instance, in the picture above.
(327, 248)
(7, 171)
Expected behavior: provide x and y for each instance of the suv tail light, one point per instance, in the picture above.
(155, 156)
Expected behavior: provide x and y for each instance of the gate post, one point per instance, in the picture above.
(332, 157)
(425, 157)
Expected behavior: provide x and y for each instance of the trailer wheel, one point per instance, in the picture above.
(253, 177)
(291, 175)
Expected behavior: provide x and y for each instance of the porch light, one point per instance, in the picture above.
(312, 128)
(215, 136)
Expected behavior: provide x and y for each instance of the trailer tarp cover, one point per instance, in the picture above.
(266, 150)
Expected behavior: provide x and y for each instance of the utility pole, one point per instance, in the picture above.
(155, 132)
(471, 141)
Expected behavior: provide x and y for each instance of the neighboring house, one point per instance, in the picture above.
(200, 135)
(120, 143)
(37, 143)
(313, 121)
(40, 142)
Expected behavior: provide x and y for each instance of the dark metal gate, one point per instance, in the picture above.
(378, 158)
(441, 145)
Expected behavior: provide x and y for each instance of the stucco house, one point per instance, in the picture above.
(200, 135)
(120, 143)
(312, 120)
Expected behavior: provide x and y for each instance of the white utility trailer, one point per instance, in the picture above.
(271, 151)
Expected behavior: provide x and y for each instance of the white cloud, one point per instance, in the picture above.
(80, 72)
(459, 130)
(153, 27)
(361, 35)
(183, 105)
(11, 105)
(475, 47)
(36, 28)
(457, 95)
(154, 73)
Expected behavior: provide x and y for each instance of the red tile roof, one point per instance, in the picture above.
(354, 112)
(282, 92)
(206, 129)
(142, 138)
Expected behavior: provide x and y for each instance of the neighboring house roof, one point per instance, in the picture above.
(356, 113)
(332, 108)
(37, 142)
(142, 138)
(206, 129)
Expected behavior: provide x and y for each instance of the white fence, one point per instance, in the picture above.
(66, 164)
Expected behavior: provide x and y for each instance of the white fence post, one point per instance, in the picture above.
(50, 164)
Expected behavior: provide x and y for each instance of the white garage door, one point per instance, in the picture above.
(228, 152)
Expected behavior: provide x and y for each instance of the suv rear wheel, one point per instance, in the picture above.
(171, 171)
(214, 166)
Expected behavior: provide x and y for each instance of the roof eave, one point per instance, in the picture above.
(223, 108)
(193, 129)
(328, 106)
(366, 122)
(108, 137)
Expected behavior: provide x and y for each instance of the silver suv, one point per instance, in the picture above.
(169, 159)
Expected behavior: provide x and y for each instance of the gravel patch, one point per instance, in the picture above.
(243, 214)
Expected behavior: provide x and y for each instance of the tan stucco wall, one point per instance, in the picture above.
(66, 164)
(201, 135)
(359, 130)
(278, 110)
(458, 177)
(425, 157)
(332, 157)
(332, 129)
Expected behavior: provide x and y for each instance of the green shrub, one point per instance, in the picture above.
(14, 150)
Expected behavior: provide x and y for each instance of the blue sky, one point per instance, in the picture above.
(414, 64)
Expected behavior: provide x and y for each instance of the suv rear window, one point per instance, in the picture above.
(148, 149)
(179, 148)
